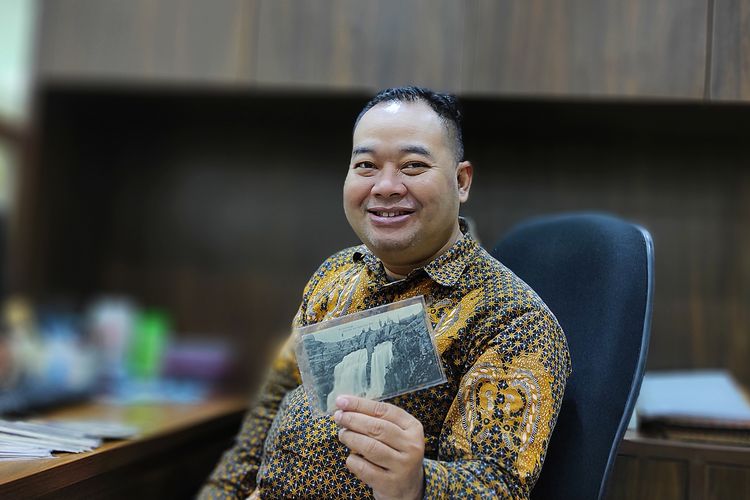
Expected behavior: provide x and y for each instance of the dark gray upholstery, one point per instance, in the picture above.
(595, 272)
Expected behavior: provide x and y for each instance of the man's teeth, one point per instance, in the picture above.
(390, 214)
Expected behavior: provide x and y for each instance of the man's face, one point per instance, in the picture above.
(404, 187)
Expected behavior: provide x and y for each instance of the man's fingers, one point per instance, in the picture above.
(371, 449)
(365, 470)
(384, 431)
(376, 409)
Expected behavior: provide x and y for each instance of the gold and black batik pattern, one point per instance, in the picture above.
(486, 429)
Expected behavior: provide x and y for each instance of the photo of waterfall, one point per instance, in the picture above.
(377, 354)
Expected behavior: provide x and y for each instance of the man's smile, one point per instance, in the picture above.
(392, 212)
(386, 216)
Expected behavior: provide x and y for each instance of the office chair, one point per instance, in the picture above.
(596, 274)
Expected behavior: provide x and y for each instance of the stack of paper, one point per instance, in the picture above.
(38, 439)
(705, 405)
(101, 429)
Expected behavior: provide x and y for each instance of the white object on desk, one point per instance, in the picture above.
(704, 394)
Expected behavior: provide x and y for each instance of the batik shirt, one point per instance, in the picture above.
(486, 429)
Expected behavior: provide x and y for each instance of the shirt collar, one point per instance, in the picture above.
(445, 270)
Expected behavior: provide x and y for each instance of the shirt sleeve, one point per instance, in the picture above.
(234, 476)
(495, 436)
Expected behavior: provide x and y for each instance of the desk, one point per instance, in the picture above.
(649, 468)
(176, 450)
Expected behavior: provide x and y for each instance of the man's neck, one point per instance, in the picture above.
(393, 276)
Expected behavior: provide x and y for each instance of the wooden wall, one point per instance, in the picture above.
(220, 205)
(677, 169)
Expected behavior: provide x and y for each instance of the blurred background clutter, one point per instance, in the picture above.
(115, 351)
(171, 170)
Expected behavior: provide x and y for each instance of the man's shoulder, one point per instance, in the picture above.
(485, 269)
(500, 284)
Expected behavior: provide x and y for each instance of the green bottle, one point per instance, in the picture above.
(149, 341)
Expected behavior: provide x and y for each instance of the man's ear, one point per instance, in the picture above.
(464, 174)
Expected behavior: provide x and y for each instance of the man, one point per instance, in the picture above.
(485, 431)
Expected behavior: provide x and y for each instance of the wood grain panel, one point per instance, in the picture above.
(730, 54)
(142, 40)
(361, 43)
(643, 48)
(663, 480)
(623, 485)
(648, 479)
(713, 471)
(727, 482)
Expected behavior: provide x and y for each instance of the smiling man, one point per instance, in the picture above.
(484, 433)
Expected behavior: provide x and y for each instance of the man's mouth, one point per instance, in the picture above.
(389, 213)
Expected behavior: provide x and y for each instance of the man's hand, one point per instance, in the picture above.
(386, 444)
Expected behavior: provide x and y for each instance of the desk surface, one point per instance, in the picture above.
(167, 431)
(179, 445)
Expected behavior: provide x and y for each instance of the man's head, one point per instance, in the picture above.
(406, 179)
(444, 105)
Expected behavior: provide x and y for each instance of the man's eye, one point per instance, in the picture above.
(364, 164)
(415, 166)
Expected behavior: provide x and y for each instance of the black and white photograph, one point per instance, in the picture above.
(377, 354)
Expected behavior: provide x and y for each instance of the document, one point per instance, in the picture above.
(39, 439)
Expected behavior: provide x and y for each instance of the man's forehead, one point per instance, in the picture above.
(392, 107)
(395, 109)
(399, 119)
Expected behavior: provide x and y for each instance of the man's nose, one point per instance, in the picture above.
(388, 182)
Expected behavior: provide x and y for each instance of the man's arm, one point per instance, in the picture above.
(496, 433)
(234, 476)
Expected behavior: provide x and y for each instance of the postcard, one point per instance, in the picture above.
(377, 354)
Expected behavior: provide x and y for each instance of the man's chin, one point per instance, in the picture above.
(387, 249)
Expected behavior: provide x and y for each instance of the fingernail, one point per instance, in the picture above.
(337, 416)
(342, 402)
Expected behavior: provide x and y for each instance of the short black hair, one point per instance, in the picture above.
(445, 105)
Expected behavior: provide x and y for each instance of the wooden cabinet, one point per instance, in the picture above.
(186, 41)
(730, 54)
(645, 48)
(648, 479)
(634, 48)
(361, 43)
(340, 44)
(660, 469)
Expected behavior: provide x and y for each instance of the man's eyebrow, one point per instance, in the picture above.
(410, 149)
(419, 150)
(361, 150)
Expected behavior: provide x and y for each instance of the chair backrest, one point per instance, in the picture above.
(595, 272)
